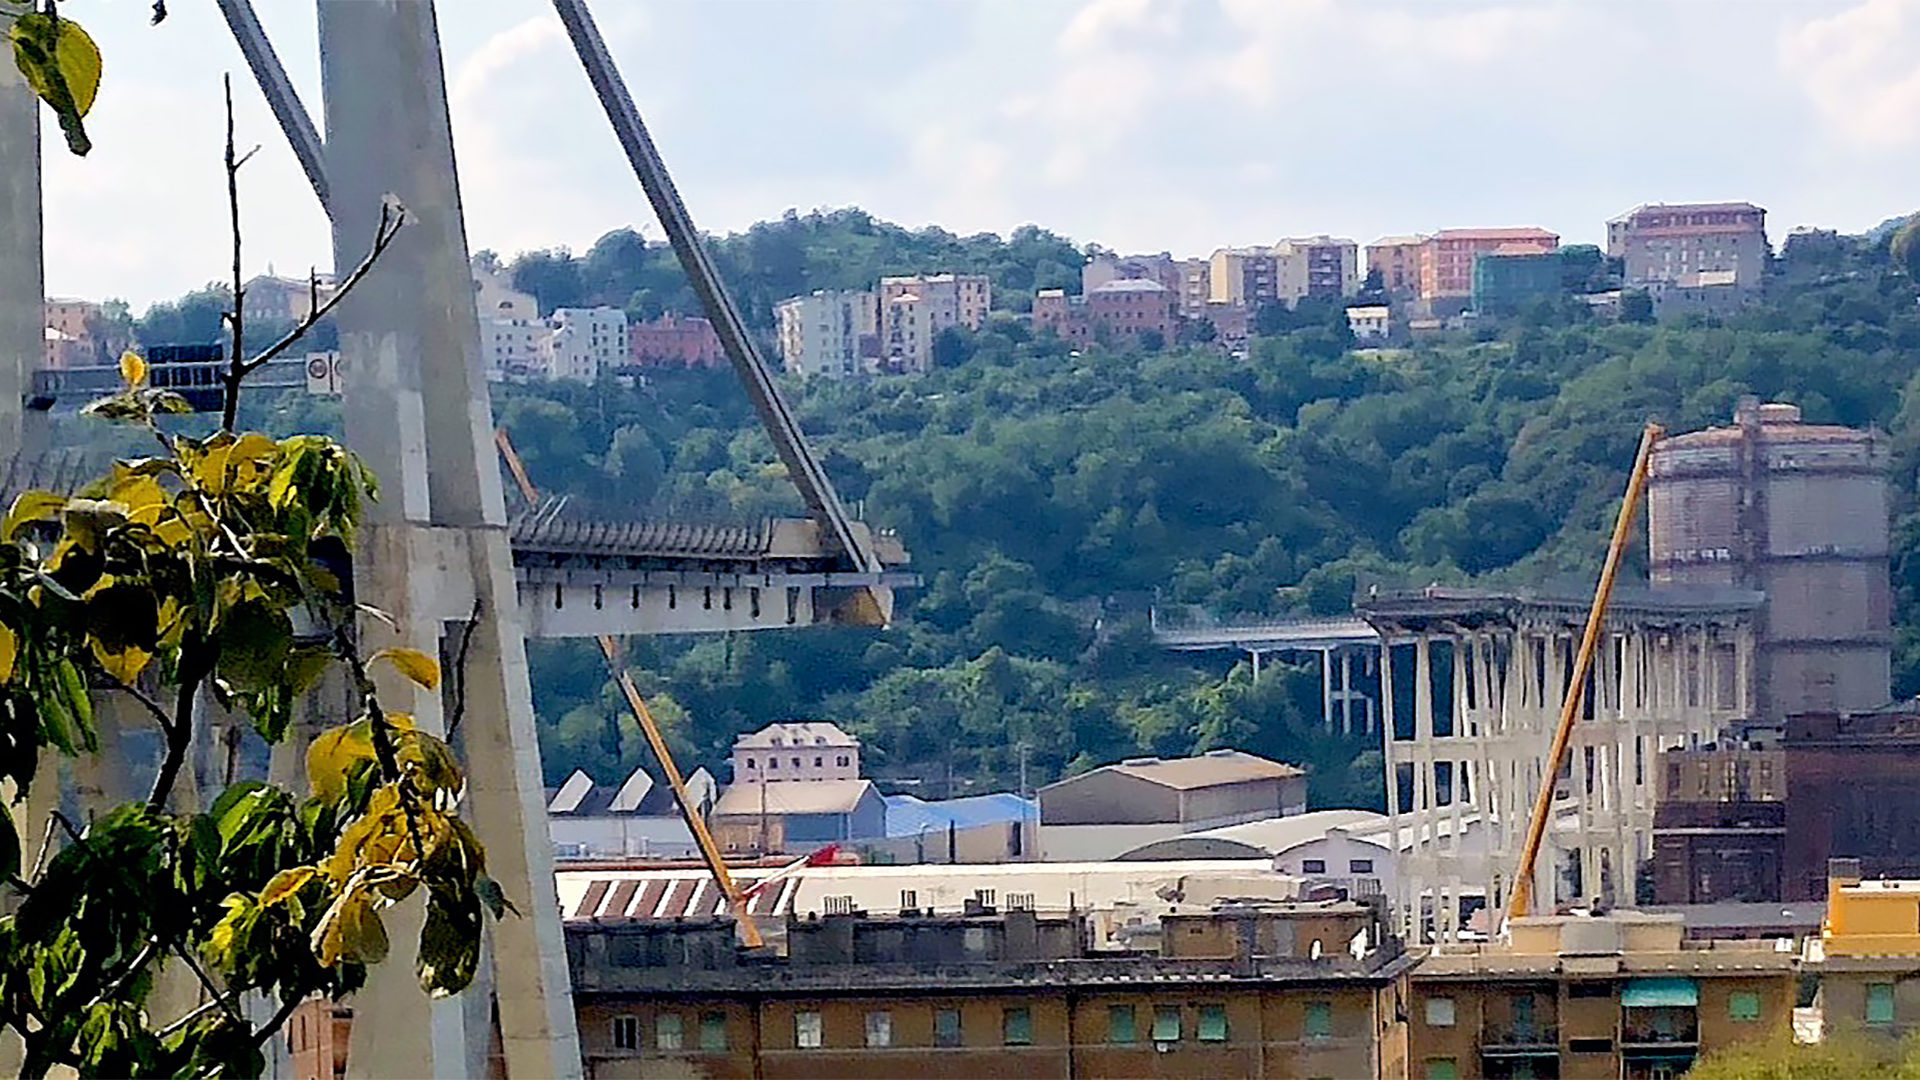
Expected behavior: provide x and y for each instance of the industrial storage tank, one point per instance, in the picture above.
(1797, 511)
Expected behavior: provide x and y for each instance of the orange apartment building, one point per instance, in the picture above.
(1446, 261)
(1616, 997)
(1397, 258)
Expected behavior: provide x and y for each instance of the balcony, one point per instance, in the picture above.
(1660, 1030)
(1510, 1039)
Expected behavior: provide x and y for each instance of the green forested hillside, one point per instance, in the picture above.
(1049, 497)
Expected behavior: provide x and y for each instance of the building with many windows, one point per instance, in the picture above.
(675, 341)
(1397, 259)
(914, 310)
(1663, 243)
(996, 993)
(587, 342)
(1447, 259)
(1316, 268)
(1621, 995)
(823, 332)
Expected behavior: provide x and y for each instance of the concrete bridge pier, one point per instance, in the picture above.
(436, 554)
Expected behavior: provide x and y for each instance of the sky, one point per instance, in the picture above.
(1140, 125)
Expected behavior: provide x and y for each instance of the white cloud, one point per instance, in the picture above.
(1857, 68)
(501, 52)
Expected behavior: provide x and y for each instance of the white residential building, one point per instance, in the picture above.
(516, 350)
(797, 751)
(514, 343)
(820, 334)
(587, 342)
(1370, 322)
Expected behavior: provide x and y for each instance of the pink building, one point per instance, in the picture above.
(1446, 258)
(675, 341)
(1118, 312)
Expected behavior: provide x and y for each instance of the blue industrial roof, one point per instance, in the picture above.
(909, 815)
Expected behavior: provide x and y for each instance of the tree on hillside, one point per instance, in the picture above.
(1905, 247)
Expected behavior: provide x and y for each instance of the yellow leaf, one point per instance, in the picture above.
(332, 755)
(211, 471)
(31, 506)
(125, 666)
(414, 664)
(285, 884)
(9, 650)
(62, 64)
(132, 368)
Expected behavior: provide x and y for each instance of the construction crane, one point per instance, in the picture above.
(696, 824)
(1521, 901)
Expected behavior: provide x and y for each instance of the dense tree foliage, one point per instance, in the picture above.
(1841, 1055)
(1051, 495)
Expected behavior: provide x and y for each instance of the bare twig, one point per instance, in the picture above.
(196, 1014)
(280, 1018)
(392, 217)
(206, 980)
(236, 322)
(140, 960)
(459, 673)
(153, 708)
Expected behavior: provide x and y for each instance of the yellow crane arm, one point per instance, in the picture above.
(1521, 902)
(696, 824)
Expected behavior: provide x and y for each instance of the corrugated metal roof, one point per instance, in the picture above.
(792, 797)
(908, 815)
(1205, 770)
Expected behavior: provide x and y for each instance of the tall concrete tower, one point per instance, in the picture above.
(437, 551)
(1797, 511)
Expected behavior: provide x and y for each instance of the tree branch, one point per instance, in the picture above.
(193, 668)
(279, 1020)
(153, 708)
(392, 217)
(236, 322)
(206, 980)
(459, 673)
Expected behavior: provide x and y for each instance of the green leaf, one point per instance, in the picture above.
(255, 639)
(449, 943)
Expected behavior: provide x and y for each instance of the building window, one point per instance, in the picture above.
(1166, 1023)
(819, 762)
(1120, 1026)
(807, 1033)
(668, 1032)
(713, 1031)
(773, 763)
(1590, 990)
(1360, 866)
(841, 761)
(626, 1033)
(1743, 1006)
(1213, 1023)
(1313, 866)
(946, 1027)
(796, 763)
(1016, 1026)
(750, 763)
(1319, 1020)
(880, 1029)
(1442, 1069)
(1440, 1012)
(1879, 1003)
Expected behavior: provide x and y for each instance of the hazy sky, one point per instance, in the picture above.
(1150, 125)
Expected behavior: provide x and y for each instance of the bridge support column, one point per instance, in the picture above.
(22, 281)
(436, 553)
